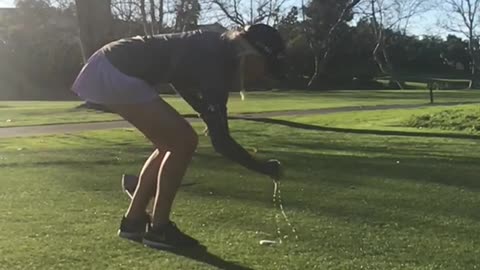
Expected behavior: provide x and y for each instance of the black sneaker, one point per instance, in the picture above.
(168, 237)
(129, 184)
(134, 229)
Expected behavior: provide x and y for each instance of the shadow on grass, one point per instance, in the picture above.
(202, 255)
(356, 131)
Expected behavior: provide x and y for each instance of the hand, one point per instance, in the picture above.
(273, 168)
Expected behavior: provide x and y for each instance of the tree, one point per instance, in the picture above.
(187, 14)
(299, 54)
(40, 51)
(96, 24)
(61, 4)
(143, 10)
(125, 10)
(140, 12)
(464, 18)
(161, 15)
(153, 18)
(325, 19)
(242, 13)
(455, 53)
(390, 15)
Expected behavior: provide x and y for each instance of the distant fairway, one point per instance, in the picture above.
(41, 113)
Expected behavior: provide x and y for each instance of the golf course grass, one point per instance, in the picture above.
(429, 120)
(459, 118)
(358, 201)
(21, 113)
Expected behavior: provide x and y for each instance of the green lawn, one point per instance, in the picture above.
(40, 113)
(428, 120)
(462, 118)
(359, 201)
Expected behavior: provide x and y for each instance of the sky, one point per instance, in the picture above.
(425, 24)
(6, 3)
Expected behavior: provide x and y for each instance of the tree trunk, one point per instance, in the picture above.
(251, 12)
(380, 56)
(179, 20)
(473, 81)
(473, 73)
(95, 22)
(388, 63)
(143, 11)
(321, 62)
(377, 58)
(153, 18)
(160, 16)
(316, 74)
(473, 65)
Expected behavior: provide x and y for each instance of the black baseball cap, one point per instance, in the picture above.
(268, 42)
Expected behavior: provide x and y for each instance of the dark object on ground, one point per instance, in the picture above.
(129, 184)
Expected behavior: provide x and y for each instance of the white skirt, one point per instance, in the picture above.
(101, 83)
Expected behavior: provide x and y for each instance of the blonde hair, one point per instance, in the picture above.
(233, 35)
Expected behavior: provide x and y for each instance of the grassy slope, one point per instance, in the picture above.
(390, 120)
(358, 202)
(38, 113)
(461, 118)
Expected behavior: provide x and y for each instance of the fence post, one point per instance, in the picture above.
(430, 87)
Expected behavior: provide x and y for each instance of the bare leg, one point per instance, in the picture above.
(167, 130)
(146, 185)
(172, 171)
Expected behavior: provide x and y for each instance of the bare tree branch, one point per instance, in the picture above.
(236, 17)
(391, 15)
(126, 10)
(242, 13)
(463, 18)
(321, 60)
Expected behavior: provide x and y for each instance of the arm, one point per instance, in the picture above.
(214, 80)
(193, 99)
(216, 119)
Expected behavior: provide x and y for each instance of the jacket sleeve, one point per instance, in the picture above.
(193, 99)
(216, 120)
(210, 101)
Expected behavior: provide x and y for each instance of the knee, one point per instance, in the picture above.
(157, 155)
(190, 141)
(186, 141)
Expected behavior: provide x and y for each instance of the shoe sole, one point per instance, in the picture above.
(162, 246)
(157, 245)
(136, 237)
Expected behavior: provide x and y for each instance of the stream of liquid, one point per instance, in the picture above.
(278, 204)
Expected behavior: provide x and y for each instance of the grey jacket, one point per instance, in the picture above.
(201, 65)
